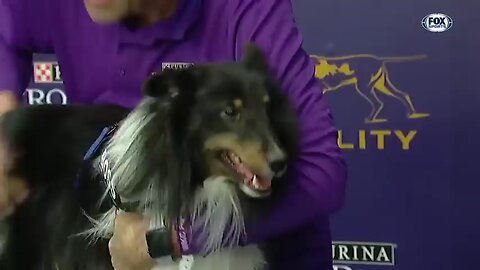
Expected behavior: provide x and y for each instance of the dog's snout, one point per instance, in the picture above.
(278, 167)
(276, 158)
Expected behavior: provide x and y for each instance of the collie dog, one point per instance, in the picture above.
(210, 143)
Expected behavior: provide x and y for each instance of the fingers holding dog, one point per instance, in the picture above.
(13, 191)
(128, 245)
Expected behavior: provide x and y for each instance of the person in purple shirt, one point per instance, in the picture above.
(107, 48)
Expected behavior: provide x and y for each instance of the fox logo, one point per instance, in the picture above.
(369, 75)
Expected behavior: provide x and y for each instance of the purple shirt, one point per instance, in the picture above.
(109, 63)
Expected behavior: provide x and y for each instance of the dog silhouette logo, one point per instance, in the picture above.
(369, 76)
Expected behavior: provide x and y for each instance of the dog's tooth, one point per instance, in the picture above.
(233, 157)
(255, 182)
(225, 157)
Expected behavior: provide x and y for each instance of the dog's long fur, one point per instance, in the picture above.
(163, 156)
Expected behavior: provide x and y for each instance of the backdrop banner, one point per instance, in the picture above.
(393, 88)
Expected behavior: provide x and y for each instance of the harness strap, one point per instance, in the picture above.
(158, 241)
(101, 139)
(93, 152)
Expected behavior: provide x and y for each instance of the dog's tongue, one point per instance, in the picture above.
(249, 178)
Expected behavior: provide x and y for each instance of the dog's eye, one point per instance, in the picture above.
(230, 112)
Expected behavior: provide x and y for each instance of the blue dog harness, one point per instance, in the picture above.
(91, 154)
(158, 241)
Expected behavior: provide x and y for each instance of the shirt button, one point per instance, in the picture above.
(122, 72)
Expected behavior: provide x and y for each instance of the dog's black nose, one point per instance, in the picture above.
(278, 166)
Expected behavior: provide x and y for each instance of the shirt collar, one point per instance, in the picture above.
(173, 28)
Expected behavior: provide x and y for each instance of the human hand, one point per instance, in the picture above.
(8, 101)
(12, 191)
(128, 245)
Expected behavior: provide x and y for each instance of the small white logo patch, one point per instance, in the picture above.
(177, 65)
(437, 22)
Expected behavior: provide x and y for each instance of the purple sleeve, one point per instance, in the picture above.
(318, 187)
(320, 173)
(23, 30)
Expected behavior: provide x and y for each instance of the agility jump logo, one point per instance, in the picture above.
(369, 76)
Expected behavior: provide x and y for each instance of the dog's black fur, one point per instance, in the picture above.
(48, 143)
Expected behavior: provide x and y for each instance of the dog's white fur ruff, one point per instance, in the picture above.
(215, 203)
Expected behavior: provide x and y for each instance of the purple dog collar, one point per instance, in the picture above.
(184, 232)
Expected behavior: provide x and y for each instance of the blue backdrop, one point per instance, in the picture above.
(401, 97)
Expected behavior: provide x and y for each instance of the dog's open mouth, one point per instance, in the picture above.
(253, 184)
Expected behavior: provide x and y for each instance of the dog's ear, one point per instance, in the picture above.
(254, 59)
(169, 83)
(156, 85)
(175, 90)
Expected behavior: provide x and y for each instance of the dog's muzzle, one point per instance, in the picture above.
(258, 184)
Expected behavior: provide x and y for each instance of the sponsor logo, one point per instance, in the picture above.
(341, 267)
(175, 65)
(346, 254)
(437, 22)
(368, 75)
(38, 96)
(46, 72)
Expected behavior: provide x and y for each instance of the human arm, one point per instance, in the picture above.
(318, 177)
(320, 172)
(14, 67)
(17, 42)
(15, 59)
